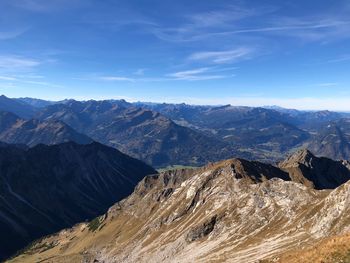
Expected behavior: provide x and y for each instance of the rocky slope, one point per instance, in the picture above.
(15, 130)
(46, 188)
(231, 211)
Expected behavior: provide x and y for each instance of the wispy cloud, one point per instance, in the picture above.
(239, 21)
(140, 72)
(195, 74)
(15, 63)
(327, 84)
(115, 78)
(7, 78)
(41, 83)
(221, 17)
(199, 26)
(27, 79)
(5, 35)
(342, 58)
(222, 57)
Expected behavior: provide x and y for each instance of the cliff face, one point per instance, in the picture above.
(231, 211)
(316, 172)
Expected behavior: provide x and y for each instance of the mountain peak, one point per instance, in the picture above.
(303, 156)
(315, 172)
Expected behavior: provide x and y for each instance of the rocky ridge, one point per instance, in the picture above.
(231, 211)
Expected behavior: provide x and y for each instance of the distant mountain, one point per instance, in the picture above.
(264, 129)
(230, 211)
(332, 140)
(36, 103)
(141, 133)
(47, 188)
(180, 134)
(266, 132)
(201, 115)
(16, 130)
(19, 108)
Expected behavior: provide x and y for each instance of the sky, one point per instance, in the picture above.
(294, 54)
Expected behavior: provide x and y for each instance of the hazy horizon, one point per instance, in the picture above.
(130, 100)
(295, 55)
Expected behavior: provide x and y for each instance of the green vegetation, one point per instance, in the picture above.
(45, 246)
(175, 167)
(95, 224)
(34, 247)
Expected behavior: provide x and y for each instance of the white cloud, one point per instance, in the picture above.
(115, 78)
(343, 58)
(231, 22)
(195, 74)
(140, 72)
(220, 17)
(221, 57)
(5, 35)
(12, 63)
(7, 78)
(197, 26)
(327, 84)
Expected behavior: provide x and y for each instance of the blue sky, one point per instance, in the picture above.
(289, 53)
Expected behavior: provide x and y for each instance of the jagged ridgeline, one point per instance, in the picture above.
(177, 134)
(47, 188)
(231, 211)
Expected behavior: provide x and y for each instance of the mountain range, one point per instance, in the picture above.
(141, 133)
(65, 166)
(231, 211)
(181, 134)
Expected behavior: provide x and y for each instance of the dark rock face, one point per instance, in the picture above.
(202, 230)
(31, 132)
(256, 171)
(317, 172)
(47, 188)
